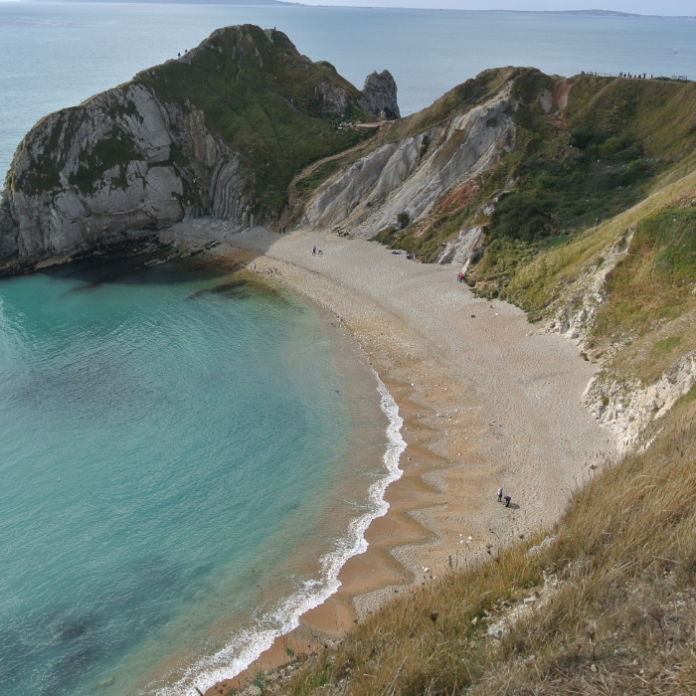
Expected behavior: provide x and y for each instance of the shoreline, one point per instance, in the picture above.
(464, 438)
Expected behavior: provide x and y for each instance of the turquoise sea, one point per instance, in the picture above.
(187, 462)
(185, 465)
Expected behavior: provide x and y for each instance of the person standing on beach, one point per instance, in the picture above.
(314, 251)
(500, 495)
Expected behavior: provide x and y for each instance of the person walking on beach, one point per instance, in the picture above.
(314, 251)
(500, 495)
(507, 500)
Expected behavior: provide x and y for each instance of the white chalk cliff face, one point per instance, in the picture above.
(121, 161)
(411, 175)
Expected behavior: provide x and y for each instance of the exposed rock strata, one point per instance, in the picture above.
(575, 314)
(465, 249)
(410, 175)
(92, 173)
(626, 408)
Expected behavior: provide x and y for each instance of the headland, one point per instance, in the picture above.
(565, 208)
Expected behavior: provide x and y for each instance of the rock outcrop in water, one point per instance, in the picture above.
(221, 131)
(379, 95)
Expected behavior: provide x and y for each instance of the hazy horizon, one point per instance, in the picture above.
(663, 8)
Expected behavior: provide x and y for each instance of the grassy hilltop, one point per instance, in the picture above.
(265, 100)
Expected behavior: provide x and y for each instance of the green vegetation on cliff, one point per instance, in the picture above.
(113, 151)
(250, 89)
(571, 167)
(611, 601)
(274, 106)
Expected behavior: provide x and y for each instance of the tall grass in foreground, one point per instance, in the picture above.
(611, 602)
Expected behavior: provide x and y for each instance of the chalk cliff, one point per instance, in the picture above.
(219, 131)
(408, 176)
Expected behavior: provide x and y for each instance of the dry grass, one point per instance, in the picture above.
(615, 608)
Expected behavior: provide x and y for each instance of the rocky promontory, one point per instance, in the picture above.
(220, 132)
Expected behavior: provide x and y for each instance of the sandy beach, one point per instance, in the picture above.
(486, 403)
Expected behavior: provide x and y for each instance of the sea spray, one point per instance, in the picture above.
(247, 645)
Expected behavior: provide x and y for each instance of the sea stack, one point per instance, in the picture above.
(379, 95)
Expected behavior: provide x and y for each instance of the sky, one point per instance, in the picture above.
(645, 7)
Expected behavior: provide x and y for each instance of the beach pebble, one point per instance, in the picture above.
(251, 690)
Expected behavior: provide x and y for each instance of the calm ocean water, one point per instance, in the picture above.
(184, 471)
(179, 461)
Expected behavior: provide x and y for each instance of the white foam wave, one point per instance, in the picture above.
(247, 645)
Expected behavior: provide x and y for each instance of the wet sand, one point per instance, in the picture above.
(486, 402)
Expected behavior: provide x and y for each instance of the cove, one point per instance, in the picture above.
(181, 453)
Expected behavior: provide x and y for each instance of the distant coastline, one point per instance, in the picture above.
(284, 3)
(589, 13)
(250, 3)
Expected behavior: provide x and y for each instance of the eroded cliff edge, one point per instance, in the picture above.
(218, 132)
(573, 198)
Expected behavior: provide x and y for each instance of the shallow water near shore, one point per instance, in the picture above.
(186, 463)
